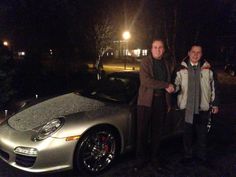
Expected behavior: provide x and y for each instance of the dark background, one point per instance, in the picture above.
(69, 26)
(78, 32)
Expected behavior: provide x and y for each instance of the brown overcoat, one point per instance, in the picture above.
(148, 83)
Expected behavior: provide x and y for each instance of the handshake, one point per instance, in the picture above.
(170, 88)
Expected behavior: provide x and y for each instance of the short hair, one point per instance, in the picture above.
(196, 44)
(159, 39)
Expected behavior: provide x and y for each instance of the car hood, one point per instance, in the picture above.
(41, 113)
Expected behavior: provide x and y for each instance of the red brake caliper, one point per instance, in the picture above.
(106, 147)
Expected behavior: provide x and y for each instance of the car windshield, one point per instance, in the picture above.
(114, 88)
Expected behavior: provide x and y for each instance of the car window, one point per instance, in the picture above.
(112, 88)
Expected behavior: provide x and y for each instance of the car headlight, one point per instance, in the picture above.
(49, 128)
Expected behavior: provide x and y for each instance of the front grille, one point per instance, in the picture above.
(4, 155)
(25, 161)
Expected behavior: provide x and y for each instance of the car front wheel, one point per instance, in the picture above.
(96, 151)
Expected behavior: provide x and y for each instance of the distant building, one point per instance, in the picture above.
(121, 49)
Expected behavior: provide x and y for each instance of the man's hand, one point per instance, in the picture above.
(170, 88)
(215, 109)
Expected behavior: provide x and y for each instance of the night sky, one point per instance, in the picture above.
(40, 25)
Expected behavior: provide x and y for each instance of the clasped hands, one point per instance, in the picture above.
(170, 88)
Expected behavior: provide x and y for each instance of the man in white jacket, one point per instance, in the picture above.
(195, 83)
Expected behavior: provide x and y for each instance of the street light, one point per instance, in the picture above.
(126, 36)
(5, 43)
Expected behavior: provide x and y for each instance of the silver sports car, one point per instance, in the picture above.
(84, 130)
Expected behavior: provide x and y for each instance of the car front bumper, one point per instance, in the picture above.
(53, 154)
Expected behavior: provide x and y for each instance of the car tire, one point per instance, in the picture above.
(96, 151)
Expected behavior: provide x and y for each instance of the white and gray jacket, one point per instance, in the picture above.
(209, 91)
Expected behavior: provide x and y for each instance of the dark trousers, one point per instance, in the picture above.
(149, 126)
(195, 135)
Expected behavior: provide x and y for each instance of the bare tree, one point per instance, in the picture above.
(102, 36)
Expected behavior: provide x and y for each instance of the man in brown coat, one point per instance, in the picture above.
(153, 101)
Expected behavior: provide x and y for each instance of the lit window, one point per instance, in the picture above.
(137, 52)
(144, 52)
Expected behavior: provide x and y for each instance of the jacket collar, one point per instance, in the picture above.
(203, 63)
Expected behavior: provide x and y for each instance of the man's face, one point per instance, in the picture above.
(195, 54)
(157, 49)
